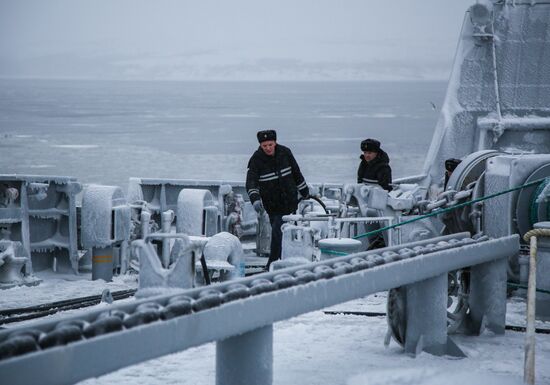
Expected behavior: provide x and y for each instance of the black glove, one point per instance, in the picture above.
(258, 206)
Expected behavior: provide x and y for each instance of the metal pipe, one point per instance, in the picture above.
(145, 217)
(166, 217)
(515, 123)
(195, 239)
(497, 92)
(326, 218)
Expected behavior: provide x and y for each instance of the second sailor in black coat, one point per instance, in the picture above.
(273, 181)
(375, 165)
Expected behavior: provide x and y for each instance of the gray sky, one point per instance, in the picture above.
(229, 40)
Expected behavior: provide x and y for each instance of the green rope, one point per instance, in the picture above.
(464, 204)
(525, 287)
(333, 252)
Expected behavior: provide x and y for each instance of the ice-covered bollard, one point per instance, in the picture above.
(154, 278)
(335, 247)
(224, 252)
(105, 223)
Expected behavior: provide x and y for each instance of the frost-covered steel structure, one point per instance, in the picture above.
(498, 101)
(40, 213)
(498, 95)
(239, 314)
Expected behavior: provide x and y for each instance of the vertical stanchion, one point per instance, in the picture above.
(427, 316)
(246, 359)
(487, 298)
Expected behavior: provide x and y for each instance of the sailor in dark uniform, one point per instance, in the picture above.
(450, 166)
(375, 165)
(273, 181)
(374, 168)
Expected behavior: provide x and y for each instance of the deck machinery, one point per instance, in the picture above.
(495, 118)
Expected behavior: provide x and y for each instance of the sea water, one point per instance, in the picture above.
(107, 131)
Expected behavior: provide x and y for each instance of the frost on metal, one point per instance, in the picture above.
(105, 216)
(224, 252)
(154, 278)
(40, 212)
(12, 260)
(498, 94)
(173, 322)
(197, 213)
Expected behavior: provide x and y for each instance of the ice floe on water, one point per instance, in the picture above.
(76, 146)
(377, 115)
(245, 115)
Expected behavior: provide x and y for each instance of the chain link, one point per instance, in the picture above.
(444, 200)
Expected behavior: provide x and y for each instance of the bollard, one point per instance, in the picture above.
(102, 263)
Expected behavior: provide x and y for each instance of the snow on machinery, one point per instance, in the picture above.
(495, 118)
(38, 223)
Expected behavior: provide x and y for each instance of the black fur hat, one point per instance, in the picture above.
(266, 135)
(370, 145)
(450, 164)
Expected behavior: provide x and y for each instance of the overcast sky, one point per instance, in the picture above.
(229, 39)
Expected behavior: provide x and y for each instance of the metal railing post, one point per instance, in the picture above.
(427, 316)
(246, 359)
(487, 297)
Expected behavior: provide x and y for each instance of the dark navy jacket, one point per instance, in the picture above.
(377, 171)
(276, 180)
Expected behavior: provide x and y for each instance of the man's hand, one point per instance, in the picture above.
(258, 206)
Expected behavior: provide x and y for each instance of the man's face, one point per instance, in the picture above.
(369, 155)
(269, 147)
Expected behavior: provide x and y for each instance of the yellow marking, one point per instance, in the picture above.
(102, 259)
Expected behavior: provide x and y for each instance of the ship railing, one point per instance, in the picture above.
(239, 315)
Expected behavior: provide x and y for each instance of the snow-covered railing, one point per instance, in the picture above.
(239, 314)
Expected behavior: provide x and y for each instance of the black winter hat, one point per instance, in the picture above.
(451, 163)
(370, 145)
(266, 135)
